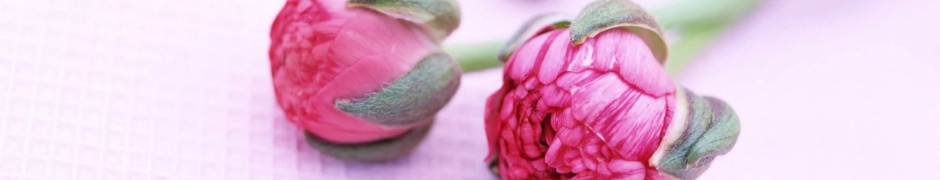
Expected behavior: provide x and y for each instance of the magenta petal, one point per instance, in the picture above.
(553, 63)
(530, 50)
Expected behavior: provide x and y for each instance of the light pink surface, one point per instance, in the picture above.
(176, 89)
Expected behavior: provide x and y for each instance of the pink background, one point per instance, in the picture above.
(113, 89)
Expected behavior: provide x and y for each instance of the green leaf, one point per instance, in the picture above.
(411, 99)
(603, 15)
(440, 17)
(535, 26)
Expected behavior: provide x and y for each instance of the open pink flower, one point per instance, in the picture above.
(603, 108)
(362, 71)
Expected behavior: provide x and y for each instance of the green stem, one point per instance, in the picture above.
(702, 12)
(689, 46)
(700, 22)
(476, 56)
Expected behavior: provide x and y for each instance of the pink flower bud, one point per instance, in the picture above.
(593, 102)
(359, 77)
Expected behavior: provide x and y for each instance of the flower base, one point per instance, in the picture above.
(380, 150)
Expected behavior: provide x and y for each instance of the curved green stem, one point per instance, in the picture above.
(699, 21)
(702, 12)
(689, 46)
(476, 56)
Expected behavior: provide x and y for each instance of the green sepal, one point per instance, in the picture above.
(535, 26)
(440, 17)
(711, 128)
(603, 15)
(412, 98)
(493, 165)
(381, 150)
(720, 136)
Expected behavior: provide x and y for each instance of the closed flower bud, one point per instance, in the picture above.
(590, 99)
(364, 78)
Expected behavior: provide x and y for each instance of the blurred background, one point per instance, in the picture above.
(109, 89)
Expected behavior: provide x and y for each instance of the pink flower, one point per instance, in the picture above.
(598, 110)
(603, 108)
(360, 73)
